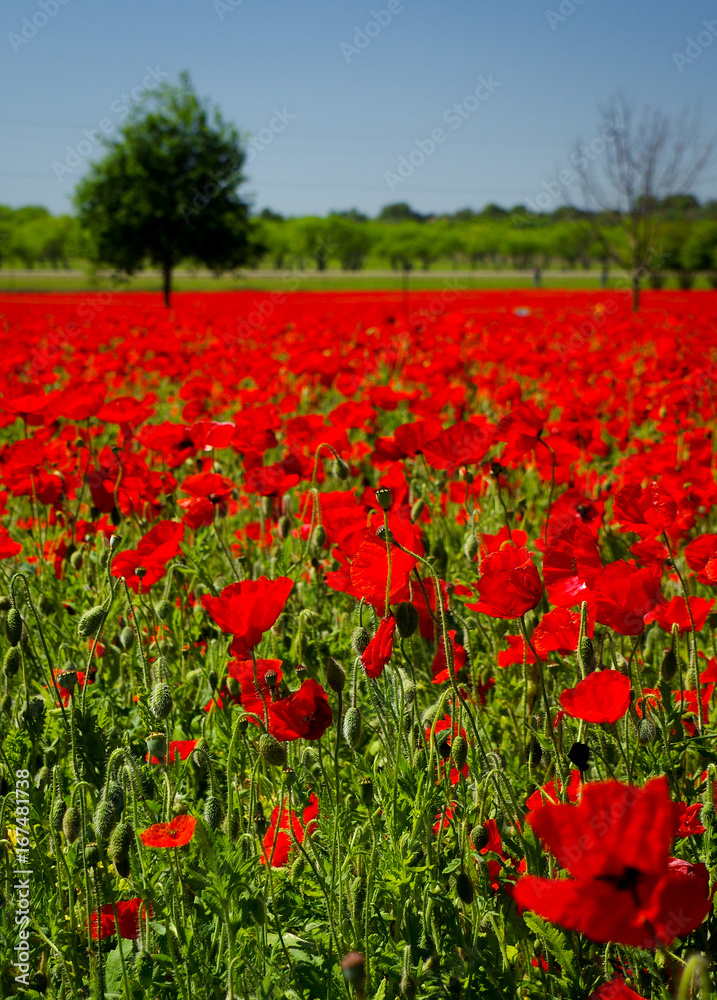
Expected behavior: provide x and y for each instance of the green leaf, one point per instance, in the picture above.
(555, 942)
(380, 993)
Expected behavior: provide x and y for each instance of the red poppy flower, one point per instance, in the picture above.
(690, 819)
(248, 609)
(701, 556)
(675, 613)
(441, 725)
(558, 631)
(603, 696)
(647, 511)
(623, 595)
(8, 548)
(369, 566)
(625, 887)
(305, 714)
(177, 749)
(127, 919)
(509, 584)
(208, 490)
(615, 990)
(380, 648)
(175, 834)
(551, 791)
(277, 843)
(570, 565)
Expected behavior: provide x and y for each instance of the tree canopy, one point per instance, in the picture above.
(167, 189)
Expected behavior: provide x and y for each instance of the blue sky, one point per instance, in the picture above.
(475, 100)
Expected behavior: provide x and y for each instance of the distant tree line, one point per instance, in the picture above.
(404, 240)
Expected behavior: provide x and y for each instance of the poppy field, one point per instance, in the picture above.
(358, 645)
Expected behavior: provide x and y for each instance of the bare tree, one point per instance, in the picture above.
(627, 173)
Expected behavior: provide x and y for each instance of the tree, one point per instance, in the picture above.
(166, 190)
(629, 174)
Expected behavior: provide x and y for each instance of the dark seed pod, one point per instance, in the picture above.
(360, 640)
(464, 888)
(669, 666)
(122, 866)
(13, 626)
(459, 752)
(406, 619)
(579, 755)
(534, 752)
(272, 751)
(213, 812)
(384, 498)
(157, 745)
(121, 841)
(103, 821)
(91, 622)
(12, 662)
(160, 701)
(71, 824)
(366, 789)
(353, 727)
(646, 731)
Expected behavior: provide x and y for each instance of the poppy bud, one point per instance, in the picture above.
(157, 745)
(213, 812)
(406, 617)
(267, 506)
(352, 727)
(13, 626)
(115, 798)
(121, 841)
(479, 837)
(233, 687)
(272, 751)
(11, 663)
(408, 985)
(691, 679)
(257, 909)
(587, 654)
(646, 731)
(308, 762)
(470, 546)
(318, 536)
(669, 666)
(71, 824)
(122, 866)
(92, 855)
(459, 751)
(384, 498)
(160, 701)
(126, 638)
(103, 821)
(442, 743)
(464, 889)
(56, 814)
(163, 610)
(297, 869)
(359, 640)
(91, 622)
(284, 526)
(335, 675)
(579, 755)
(366, 789)
(417, 509)
(341, 470)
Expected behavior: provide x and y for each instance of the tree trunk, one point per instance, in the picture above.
(167, 283)
(635, 292)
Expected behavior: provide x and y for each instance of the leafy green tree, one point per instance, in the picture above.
(351, 241)
(167, 189)
(699, 250)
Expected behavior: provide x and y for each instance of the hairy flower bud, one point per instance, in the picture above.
(359, 640)
(12, 661)
(352, 727)
(163, 609)
(459, 752)
(272, 751)
(470, 547)
(160, 701)
(335, 675)
(587, 654)
(406, 617)
(464, 889)
(103, 820)
(13, 626)
(91, 622)
(126, 638)
(213, 812)
(71, 824)
(121, 841)
(646, 731)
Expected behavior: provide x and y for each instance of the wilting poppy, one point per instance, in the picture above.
(380, 648)
(602, 696)
(175, 834)
(248, 609)
(625, 887)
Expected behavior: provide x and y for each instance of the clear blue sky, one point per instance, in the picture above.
(333, 111)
